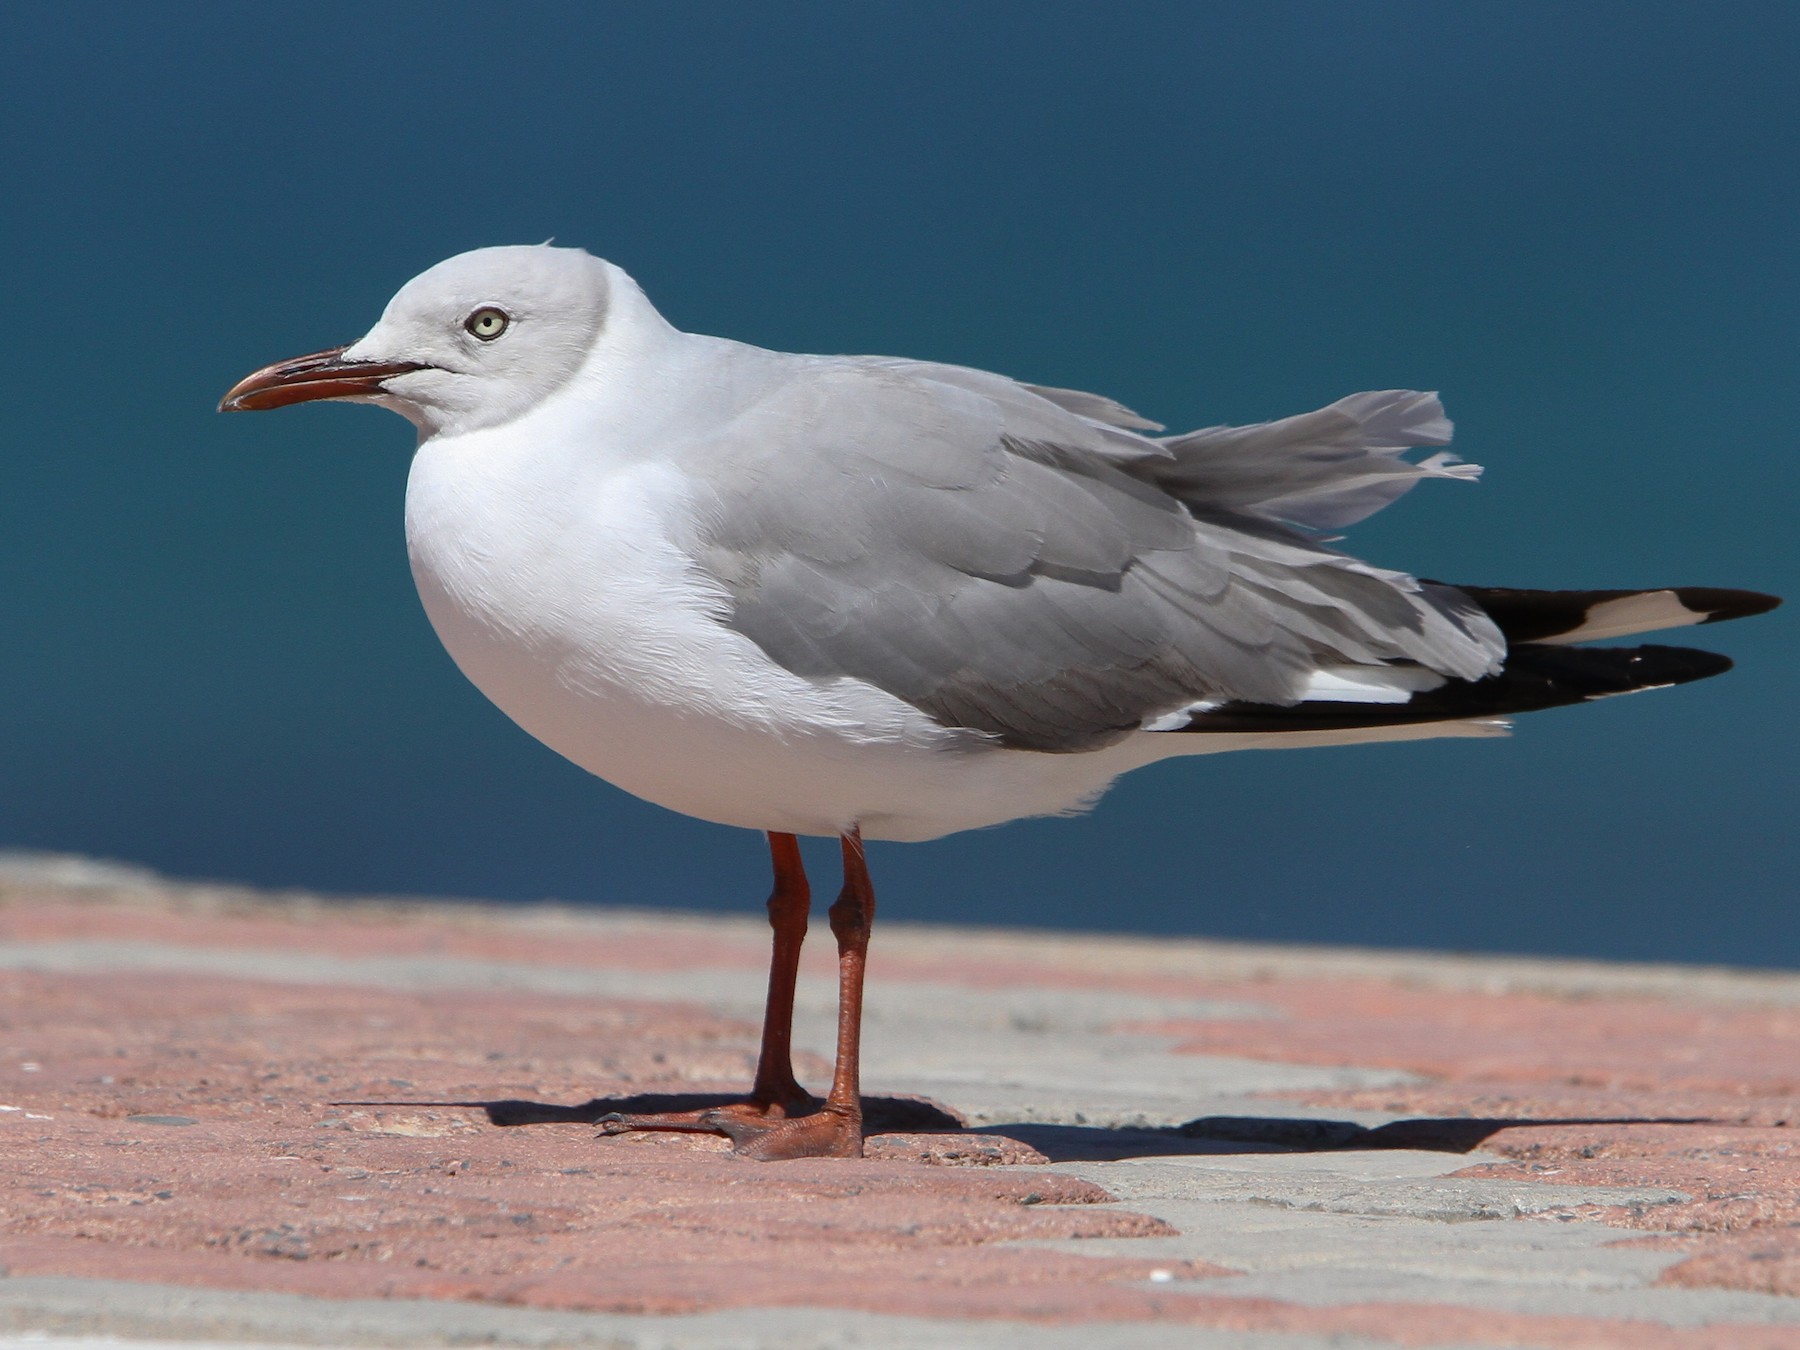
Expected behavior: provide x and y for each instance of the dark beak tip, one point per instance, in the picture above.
(242, 397)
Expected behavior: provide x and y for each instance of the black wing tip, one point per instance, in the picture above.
(1531, 616)
(1535, 679)
(1660, 666)
(1719, 603)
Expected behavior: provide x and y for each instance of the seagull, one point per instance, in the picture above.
(866, 597)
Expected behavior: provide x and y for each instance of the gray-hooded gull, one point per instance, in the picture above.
(878, 598)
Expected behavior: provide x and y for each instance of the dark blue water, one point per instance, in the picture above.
(1577, 221)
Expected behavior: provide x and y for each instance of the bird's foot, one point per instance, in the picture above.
(708, 1120)
(830, 1132)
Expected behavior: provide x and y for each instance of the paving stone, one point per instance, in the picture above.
(233, 1117)
(98, 1314)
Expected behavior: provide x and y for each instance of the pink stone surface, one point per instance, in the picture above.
(1604, 1091)
(272, 1187)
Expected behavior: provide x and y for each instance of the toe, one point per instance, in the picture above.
(824, 1134)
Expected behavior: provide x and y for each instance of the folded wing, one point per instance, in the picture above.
(1025, 564)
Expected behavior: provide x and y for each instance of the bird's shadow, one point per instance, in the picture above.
(1083, 1143)
(1283, 1134)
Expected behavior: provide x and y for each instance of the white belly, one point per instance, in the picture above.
(571, 607)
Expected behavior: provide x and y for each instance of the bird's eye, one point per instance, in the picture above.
(487, 323)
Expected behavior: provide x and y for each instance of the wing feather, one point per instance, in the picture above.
(1008, 560)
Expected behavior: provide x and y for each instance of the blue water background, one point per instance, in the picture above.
(1576, 220)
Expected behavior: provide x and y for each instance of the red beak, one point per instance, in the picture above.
(306, 378)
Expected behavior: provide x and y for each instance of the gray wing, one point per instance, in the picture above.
(986, 553)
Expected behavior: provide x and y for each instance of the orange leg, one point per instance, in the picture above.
(835, 1130)
(776, 1093)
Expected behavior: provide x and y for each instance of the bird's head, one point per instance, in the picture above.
(473, 342)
